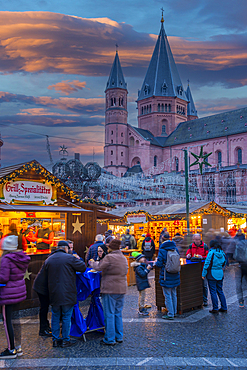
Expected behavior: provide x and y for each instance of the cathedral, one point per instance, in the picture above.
(167, 124)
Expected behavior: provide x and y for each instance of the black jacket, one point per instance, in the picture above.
(149, 249)
(40, 284)
(61, 270)
(141, 273)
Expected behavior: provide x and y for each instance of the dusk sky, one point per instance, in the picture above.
(56, 56)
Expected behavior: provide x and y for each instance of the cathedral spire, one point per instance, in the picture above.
(191, 109)
(162, 78)
(116, 78)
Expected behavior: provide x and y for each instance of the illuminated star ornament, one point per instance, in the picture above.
(201, 159)
(27, 274)
(77, 226)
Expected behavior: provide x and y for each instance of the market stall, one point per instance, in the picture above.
(44, 211)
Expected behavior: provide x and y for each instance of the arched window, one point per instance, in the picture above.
(111, 163)
(145, 110)
(142, 110)
(169, 107)
(219, 157)
(162, 107)
(176, 164)
(150, 108)
(111, 101)
(114, 101)
(132, 141)
(155, 160)
(165, 107)
(159, 107)
(163, 129)
(239, 155)
(137, 142)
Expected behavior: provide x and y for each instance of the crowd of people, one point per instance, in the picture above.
(55, 283)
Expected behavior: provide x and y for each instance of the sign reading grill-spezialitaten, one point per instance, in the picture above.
(28, 191)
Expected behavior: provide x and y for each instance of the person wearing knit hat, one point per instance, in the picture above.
(148, 247)
(142, 270)
(14, 263)
(114, 268)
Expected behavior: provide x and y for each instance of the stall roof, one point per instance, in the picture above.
(236, 208)
(160, 210)
(33, 208)
(101, 215)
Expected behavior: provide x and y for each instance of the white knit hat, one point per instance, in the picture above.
(10, 243)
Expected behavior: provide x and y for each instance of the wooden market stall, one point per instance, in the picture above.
(42, 206)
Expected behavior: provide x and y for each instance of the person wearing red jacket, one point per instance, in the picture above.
(199, 249)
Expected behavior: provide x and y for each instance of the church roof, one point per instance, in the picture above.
(162, 78)
(116, 78)
(218, 125)
(191, 109)
(147, 135)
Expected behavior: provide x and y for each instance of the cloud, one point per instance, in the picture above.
(207, 107)
(55, 43)
(77, 105)
(67, 87)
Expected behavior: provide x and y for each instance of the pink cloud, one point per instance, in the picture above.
(67, 87)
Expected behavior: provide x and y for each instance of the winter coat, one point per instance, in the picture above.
(61, 270)
(12, 270)
(228, 244)
(139, 244)
(114, 268)
(131, 240)
(239, 237)
(218, 262)
(141, 273)
(180, 244)
(194, 249)
(93, 251)
(40, 284)
(172, 280)
(148, 248)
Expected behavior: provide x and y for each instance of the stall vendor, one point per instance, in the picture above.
(44, 238)
(27, 233)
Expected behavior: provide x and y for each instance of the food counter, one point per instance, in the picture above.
(189, 293)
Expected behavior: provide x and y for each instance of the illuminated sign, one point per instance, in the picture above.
(28, 191)
(137, 219)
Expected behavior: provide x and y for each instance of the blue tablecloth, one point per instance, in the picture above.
(87, 283)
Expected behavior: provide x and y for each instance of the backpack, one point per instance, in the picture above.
(127, 241)
(240, 253)
(173, 262)
(147, 245)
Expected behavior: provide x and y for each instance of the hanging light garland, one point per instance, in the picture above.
(53, 180)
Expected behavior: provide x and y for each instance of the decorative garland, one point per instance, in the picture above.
(34, 165)
(213, 208)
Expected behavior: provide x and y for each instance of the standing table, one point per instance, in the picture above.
(189, 292)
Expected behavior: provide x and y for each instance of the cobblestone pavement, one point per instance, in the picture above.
(196, 340)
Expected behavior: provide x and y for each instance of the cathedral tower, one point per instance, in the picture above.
(162, 101)
(116, 128)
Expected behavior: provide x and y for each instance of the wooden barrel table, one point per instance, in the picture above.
(189, 292)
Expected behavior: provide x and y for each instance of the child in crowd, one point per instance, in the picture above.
(142, 270)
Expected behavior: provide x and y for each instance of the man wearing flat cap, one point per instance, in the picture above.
(61, 270)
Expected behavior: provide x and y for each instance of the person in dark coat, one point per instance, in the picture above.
(148, 247)
(239, 236)
(14, 264)
(168, 281)
(142, 270)
(93, 249)
(40, 286)
(61, 270)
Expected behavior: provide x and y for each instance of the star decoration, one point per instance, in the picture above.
(27, 274)
(201, 159)
(77, 226)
